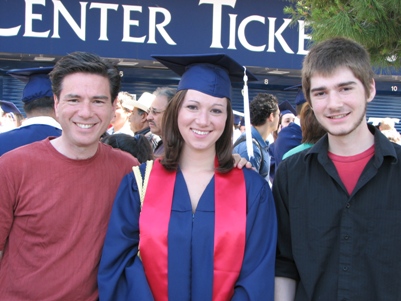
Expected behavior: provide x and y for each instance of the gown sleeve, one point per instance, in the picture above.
(256, 279)
(256, 160)
(121, 275)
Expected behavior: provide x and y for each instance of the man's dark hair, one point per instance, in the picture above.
(326, 57)
(43, 104)
(141, 112)
(260, 108)
(138, 146)
(87, 63)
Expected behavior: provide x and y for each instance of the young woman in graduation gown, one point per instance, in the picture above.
(206, 231)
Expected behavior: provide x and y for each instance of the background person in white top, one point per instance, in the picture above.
(124, 107)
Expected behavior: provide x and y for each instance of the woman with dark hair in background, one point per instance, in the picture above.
(312, 131)
(137, 145)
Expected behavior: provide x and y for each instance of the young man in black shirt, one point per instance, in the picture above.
(338, 205)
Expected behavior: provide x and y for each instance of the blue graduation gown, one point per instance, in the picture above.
(190, 245)
(288, 138)
(25, 135)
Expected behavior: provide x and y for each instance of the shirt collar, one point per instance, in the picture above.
(383, 147)
(46, 120)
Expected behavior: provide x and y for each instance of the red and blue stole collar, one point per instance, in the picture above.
(229, 236)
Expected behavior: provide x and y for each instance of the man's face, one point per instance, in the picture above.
(276, 119)
(84, 110)
(138, 122)
(156, 113)
(339, 101)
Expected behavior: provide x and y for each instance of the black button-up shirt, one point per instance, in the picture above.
(340, 246)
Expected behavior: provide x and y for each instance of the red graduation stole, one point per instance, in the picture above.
(229, 235)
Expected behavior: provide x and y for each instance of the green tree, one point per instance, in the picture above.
(376, 24)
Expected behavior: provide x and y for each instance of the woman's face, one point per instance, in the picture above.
(202, 119)
(286, 119)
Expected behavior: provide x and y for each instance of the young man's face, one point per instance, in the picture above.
(339, 101)
(84, 109)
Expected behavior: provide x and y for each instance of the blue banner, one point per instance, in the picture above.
(256, 33)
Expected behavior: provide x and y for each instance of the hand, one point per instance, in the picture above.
(240, 162)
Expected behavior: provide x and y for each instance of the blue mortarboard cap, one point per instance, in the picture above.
(211, 74)
(286, 108)
(300, 97)
(37, 82)
(9, 107)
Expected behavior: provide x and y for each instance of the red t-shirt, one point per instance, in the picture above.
(54, 213)
(350, 168)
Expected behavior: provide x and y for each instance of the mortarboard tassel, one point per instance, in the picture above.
(248, 134)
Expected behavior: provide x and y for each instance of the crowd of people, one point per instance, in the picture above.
(107, 197)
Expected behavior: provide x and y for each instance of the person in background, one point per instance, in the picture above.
(386, 124)
(124, 107)
(207, 231)
(242, 125)
(138, 118)
(137, 145)
(393, 135)
(387, 128)
(236, 127)
(337, 205)
(37, 97)
(10, 116)
(56, 194)
(312, 131)
(290, 136)
(264, 117)
(287, 115)
(163, 96)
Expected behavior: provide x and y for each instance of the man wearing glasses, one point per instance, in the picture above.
(163, 95)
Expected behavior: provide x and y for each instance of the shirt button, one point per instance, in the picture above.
(346, 237)
(348, 205)
(345, 268)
